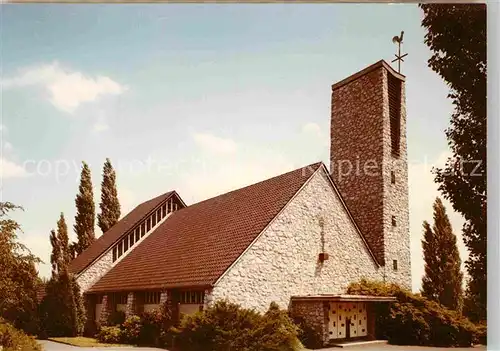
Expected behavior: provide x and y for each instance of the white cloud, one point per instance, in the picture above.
(423, 192)
(67, 89)
(7, 146)
(9, 169)
(213, 144)
(3, 128)
(100, 126)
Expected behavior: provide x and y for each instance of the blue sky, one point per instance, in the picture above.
(197, 98)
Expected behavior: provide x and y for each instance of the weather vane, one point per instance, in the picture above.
(399, 57)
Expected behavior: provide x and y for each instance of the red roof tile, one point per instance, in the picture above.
(105, 241)
(197, 244)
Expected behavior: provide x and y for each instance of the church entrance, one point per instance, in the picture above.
(342, 317)
(347, 320)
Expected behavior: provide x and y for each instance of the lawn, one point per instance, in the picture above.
(84, 342)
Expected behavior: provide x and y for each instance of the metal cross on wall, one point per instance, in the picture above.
(399, 57)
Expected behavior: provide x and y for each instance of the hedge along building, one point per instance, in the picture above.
(297, 239)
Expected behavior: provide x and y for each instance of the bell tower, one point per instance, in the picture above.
(368, 162)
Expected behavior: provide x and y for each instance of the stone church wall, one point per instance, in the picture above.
(95, 271)
(283, 261)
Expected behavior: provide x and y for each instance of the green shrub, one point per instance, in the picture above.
(481, 334)
(227, 326)
(276, 331)
(61, 311)
(109, 335)
(156, 327)
(116, 318)
(12, 339)
(415, 320)
(131, 329)
(311, 337)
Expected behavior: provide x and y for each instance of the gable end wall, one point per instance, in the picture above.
(284, 260)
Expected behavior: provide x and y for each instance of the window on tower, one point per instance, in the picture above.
(393, 177)
(393, 220)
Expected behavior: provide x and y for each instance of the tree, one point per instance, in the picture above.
(61, 311)
(73, 250)
(55, 256)
(85, 211)
(443, 279)
(110, 206)
(63, 241)
(456, 34)
(18, 275)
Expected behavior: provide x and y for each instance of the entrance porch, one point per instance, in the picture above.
(340, 318)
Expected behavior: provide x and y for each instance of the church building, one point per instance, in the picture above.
(298, 239)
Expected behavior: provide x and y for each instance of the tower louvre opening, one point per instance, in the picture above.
(394, 90)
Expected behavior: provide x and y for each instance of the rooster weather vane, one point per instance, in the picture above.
(399, 57)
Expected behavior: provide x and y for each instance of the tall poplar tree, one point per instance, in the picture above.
(110, 206)
(443, 278)
(456, 36)
(62, 311)
(55, 255)
(63, 241)
(85, 211)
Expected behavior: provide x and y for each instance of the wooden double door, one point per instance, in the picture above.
(347, 320)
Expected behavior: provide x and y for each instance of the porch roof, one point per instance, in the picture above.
(344, 298)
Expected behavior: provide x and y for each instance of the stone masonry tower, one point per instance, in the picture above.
(369, 162)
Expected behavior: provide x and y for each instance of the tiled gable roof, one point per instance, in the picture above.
(104, 242)
(197, 244)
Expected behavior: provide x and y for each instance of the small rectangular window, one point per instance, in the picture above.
(175, 207)
(125, 245)
(153, 220)
(143, 229)
(393, 220)
(152, 297)
(114, 254)
(393, 178)
(164, 210)
(137, 234)
(158, 214)
(395, 264)
(131, 239)
(120, 249)
(148, 224)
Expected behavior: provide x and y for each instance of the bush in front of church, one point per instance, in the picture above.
(415, 320)
(131, 330)
(12, 339)
(149, 329)
(310, 336)
(228, 326)
(110, 335)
